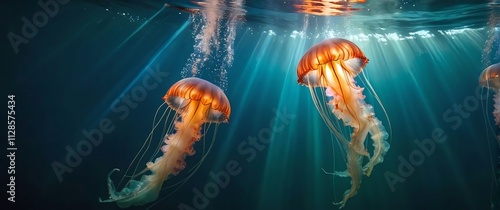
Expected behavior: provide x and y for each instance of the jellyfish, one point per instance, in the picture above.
(196, 102)
(215, 25)
(326, 7)
(490, 78)
(331, 65)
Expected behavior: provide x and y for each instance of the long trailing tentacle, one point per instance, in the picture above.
(144, 148)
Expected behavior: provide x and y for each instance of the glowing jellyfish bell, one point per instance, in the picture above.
(331, 65)
(490, 78)
(196, 102)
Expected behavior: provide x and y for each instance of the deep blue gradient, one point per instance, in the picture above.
(92, 55)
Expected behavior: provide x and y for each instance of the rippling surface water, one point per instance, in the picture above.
(371, 16)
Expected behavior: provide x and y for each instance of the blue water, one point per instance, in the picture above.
(88, 62)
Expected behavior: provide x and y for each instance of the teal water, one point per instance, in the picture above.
(91, 57)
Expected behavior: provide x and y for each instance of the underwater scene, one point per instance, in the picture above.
(251, 104)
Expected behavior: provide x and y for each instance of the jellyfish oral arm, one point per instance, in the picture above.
(333, 64)
(135, 193)
(178, 145)
(379, 137)
(496, 105)
(496, 111)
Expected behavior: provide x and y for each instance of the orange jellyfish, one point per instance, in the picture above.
(196, 102)
(490, 78)
(332, 65)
